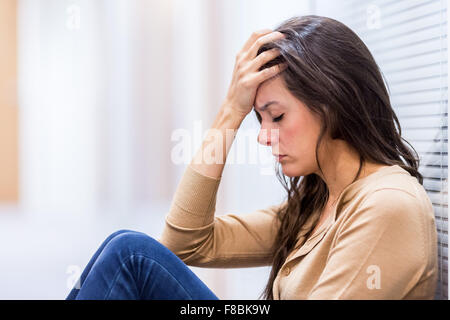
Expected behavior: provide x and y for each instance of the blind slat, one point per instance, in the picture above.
(408, 62)
(394, 14)
(422, 110)
(416, 47)
(422, 84)
(420, 97)
(424, 134)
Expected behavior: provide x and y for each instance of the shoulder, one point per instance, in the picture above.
(394, 195)
(391, 207)
(393, 218)
(390, 197)
(390, 203)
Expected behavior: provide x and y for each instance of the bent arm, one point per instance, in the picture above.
(192, 231)
(199, 239)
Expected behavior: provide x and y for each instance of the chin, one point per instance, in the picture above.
(292, 171)
(289, 172)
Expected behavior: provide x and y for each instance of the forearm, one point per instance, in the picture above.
(210, 159)
(189, 222)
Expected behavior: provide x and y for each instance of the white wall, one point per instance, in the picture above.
(58, 121)
(94, 101)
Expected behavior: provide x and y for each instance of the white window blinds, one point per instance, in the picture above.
(408, 39)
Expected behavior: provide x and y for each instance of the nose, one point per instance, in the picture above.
(263, 137)
(268, 137)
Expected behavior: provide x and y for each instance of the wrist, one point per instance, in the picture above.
(229, 111)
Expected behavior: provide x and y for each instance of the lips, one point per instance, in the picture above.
(280, 157)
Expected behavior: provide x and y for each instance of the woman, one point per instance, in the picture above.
(357, 222)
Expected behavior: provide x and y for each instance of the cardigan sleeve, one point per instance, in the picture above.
(200, 239)
(380, 251)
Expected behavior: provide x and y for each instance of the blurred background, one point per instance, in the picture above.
(92, 92)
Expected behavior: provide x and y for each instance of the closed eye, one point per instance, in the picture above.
(258, 116)
(278, 119)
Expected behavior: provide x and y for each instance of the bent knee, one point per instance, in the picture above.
(116, 233)
(130, 242)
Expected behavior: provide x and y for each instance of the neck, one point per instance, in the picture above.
(340, 169)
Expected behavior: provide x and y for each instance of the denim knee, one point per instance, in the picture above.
(116, 233)
(127, 242)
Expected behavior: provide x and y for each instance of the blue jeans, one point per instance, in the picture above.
(132, 265)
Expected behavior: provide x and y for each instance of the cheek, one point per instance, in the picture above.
(289, 137)
(299, 139)
(292, 135)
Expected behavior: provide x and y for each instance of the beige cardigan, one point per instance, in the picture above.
(379, 243)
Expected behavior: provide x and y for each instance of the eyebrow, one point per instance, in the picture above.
(267, 105)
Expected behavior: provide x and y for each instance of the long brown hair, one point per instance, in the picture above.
(333, 73)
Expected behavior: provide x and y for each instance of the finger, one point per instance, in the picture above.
(255, 36)
(258, 78)
(251, 54)
(263, 58)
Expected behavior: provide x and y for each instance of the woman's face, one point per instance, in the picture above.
(288, 127)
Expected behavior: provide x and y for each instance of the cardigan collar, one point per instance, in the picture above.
(346, 195)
